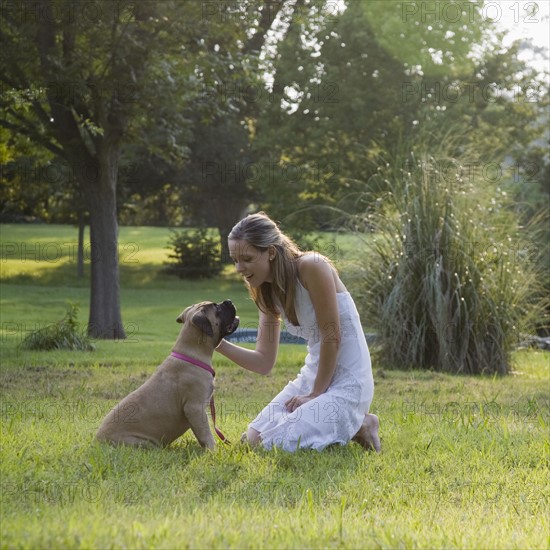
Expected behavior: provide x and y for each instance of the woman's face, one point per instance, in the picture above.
(251, 262)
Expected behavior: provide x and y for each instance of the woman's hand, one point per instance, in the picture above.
(262, 359)
(294, 402)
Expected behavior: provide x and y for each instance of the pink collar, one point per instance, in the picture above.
(194, 362)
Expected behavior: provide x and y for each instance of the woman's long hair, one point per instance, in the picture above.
(261, 231)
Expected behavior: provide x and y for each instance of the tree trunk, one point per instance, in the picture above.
(105, 319)
(80, 255)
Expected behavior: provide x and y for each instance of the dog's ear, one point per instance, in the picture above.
(181, 317)
(200, 320)
(230, 329)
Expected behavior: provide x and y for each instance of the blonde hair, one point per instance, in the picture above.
(262, 232)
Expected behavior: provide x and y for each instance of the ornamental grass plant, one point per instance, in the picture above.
(448, 278)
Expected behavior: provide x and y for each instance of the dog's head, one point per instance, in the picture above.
(213, 320)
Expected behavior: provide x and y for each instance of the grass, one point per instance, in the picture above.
(142, 253)
(464, 463)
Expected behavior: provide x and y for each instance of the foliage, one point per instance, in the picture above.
(440, 44)
(350, 87)
(282, 104)
(196, 254)
(64, 334)
(220, 179)
(448, 278)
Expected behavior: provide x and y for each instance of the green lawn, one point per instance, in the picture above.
(464, 462)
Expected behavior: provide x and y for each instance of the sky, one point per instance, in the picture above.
(524, 19)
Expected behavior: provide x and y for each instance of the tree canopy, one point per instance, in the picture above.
(190, 112)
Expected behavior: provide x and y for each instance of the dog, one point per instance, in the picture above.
(173, 399)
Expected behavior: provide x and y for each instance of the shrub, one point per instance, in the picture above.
(63, 334)
(447, 279)
(196, 254)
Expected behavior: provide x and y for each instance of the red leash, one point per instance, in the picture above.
(212, 406)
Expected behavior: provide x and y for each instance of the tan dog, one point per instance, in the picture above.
(173, 399)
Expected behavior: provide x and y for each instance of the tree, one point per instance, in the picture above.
(78, 79)
(356, 84)
(221, 175)
(22, 167)
(339, 95)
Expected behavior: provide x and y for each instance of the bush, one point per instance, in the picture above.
(196, 254)
(63, 334)
(448, 278)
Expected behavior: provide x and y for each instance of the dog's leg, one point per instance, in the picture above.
(198, 420)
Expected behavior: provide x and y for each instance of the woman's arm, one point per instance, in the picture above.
(262, 359)
(319, 280)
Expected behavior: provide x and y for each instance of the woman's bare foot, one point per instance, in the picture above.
(252, 437)
(367, 436)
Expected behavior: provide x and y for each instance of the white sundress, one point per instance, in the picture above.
(335, 416)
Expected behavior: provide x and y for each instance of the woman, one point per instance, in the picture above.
(328, 402)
